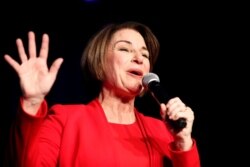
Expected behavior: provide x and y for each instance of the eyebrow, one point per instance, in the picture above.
(128, 42)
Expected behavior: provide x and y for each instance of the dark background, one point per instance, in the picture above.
(199, 58)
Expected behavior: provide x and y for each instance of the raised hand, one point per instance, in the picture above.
(36, 79)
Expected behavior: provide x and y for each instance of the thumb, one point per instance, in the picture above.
(55, 66)
(163, 111)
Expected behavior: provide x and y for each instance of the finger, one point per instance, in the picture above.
(173, 101)
(187, 113)
(45, 46)
(173, 114)
(12, 62)
(55, 66)
(175, 107)
(32, 44)
(190, 114)
(21, 50)
(163, 111)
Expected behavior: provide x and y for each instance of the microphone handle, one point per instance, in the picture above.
(161, 97)
(178, 124)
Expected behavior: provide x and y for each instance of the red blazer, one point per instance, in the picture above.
(80, 136)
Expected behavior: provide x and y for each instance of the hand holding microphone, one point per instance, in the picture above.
(151, 81)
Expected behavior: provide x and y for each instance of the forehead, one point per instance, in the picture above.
(128, 35)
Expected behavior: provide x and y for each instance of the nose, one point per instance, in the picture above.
(137, 58)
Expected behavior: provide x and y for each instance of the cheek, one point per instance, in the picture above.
(119, 62)
(115, 59)
(113, 66)
(122, 61)
(147, 66)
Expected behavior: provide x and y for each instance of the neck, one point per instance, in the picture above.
(117, 110)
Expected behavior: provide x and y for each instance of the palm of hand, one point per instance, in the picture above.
(36, 79)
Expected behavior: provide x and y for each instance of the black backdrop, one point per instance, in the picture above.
(191, 63)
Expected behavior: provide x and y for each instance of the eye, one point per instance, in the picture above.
(146, 55)
(124, 49)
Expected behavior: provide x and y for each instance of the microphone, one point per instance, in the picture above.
(151, 81)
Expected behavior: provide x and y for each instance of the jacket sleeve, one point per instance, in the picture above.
(188, 158)
(162, 139)
(36, 138)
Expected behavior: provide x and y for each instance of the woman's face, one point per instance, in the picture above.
(127, 61)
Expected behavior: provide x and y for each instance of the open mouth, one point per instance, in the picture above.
(136, 72)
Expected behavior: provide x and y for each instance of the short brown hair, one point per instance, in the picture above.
(92, 60)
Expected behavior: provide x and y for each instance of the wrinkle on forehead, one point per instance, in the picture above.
(128, 36)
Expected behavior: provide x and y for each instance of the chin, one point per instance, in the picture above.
(138, 90)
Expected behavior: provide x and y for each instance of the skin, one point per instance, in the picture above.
(36, 79)
(127, 61)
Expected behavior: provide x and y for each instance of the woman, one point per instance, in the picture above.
(109, 130)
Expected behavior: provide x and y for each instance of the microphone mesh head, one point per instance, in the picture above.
(149, 77)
